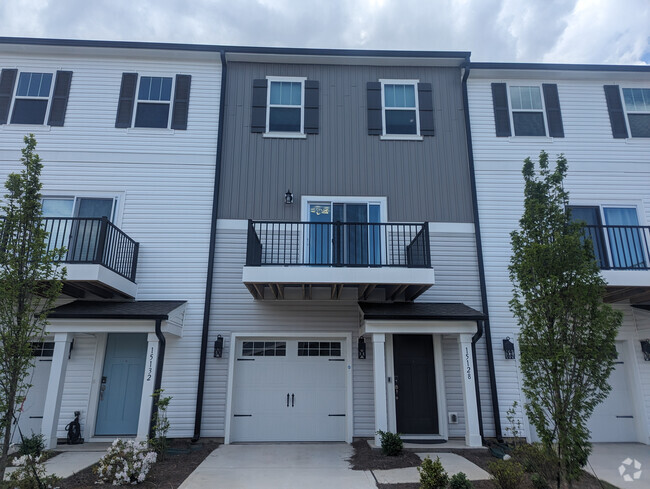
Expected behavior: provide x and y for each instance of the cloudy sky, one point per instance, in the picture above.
(574, 31)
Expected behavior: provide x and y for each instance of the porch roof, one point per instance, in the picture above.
(156, 310)
(420, 311)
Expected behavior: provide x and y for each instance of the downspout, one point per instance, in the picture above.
(213, 239)
(484, 326)
(162, 342)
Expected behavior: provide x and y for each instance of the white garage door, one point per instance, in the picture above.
(31, 416)
(614, 419)
(289, 390)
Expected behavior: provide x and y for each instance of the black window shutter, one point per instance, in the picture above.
(501, 111)
(127, 99)
(311, 106)
(425, 104)
(181, 102)
(258, 113)
(7, 82)
(553, 112)
(374, 108)
(615, 109)
(60, 98)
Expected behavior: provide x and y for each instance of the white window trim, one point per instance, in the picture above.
(307, 200)
(388, 136)
(286, 135)
(16, 96)
(138, 101)
(543, 110)
(118, 201)
(627, 112)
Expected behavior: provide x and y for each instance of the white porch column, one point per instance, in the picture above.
(55, 388)
(472, 433)
(379, 368)
(146, 401)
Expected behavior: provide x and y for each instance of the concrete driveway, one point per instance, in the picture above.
(277, 466)
(607, 459)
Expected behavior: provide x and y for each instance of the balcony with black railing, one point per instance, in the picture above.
(100, 259)
(389, 260)
(623, 254)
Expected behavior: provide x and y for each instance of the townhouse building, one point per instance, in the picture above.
(128, 136)
(599, 118)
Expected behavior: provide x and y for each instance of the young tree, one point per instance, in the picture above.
(29, 284)
(567, 333)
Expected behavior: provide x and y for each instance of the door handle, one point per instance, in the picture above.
(292, 399)
(396, 388)
(102, 388)
(287, 399)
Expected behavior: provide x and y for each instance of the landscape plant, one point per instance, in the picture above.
(507, 474)
(158, 441)
(30, 282)
(460, 481)
(432, 474)
(391, 443)
(514, 428)
(125, 462)
(567, 334)
(30, 473)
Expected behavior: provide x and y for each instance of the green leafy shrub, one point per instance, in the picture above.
(539, 482)
(432, 474)
(508, 474)
(460, 481)
(30, 474)
(159, 442)
(539, 461)
(126, 462)
(391, 443)
(32, 445)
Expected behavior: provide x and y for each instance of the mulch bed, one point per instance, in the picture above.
(168, 474)
(365, 458)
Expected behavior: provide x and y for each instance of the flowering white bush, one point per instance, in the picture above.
(125, 462)
(30, 474)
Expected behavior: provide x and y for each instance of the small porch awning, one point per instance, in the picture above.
(418, 317)
(133, 316)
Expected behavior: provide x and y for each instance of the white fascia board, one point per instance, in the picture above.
(627, 278)
(88, 272)
(388, 326)
(336, 275)
(92, 326)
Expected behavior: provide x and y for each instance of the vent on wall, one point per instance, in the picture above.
(453, 418)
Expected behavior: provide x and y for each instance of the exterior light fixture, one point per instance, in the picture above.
(509, 348)
(645, 348)
(362, 348)
(218, 347)
(288, 197)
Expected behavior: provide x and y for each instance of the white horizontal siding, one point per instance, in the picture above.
(163, 179)
(453, 385)
(602, 170)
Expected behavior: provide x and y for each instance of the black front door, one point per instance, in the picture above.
(415, 385)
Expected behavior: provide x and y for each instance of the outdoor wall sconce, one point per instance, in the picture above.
(509, 348)
(645, 348)
(288, 197)
(362, 348)
(218, 347)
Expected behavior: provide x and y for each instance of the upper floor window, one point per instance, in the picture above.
(151, 96)
(285, 112)
(285, 107)
(637, 106)
(29, 97)
(32, 98)
(154, 101)
(532, 110)
(400, 108)
(527, 111)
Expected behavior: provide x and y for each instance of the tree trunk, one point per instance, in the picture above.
(6, 439)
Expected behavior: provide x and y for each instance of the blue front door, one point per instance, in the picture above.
(121, 384)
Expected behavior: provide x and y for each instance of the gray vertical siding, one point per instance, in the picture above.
(423, 180)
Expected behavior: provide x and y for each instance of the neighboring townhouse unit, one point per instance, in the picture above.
(599, 118)
(128, 136)
(347, 291)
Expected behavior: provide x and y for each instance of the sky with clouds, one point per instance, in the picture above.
(570, 31)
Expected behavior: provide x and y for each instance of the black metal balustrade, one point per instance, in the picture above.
(338, 244)
(93, 240)
(621, 247)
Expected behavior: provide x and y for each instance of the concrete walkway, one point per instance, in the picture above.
(451, 462)
(621, 464)
(278, 466)
(71, 460)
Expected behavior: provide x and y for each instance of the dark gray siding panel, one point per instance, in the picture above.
(423, 180)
